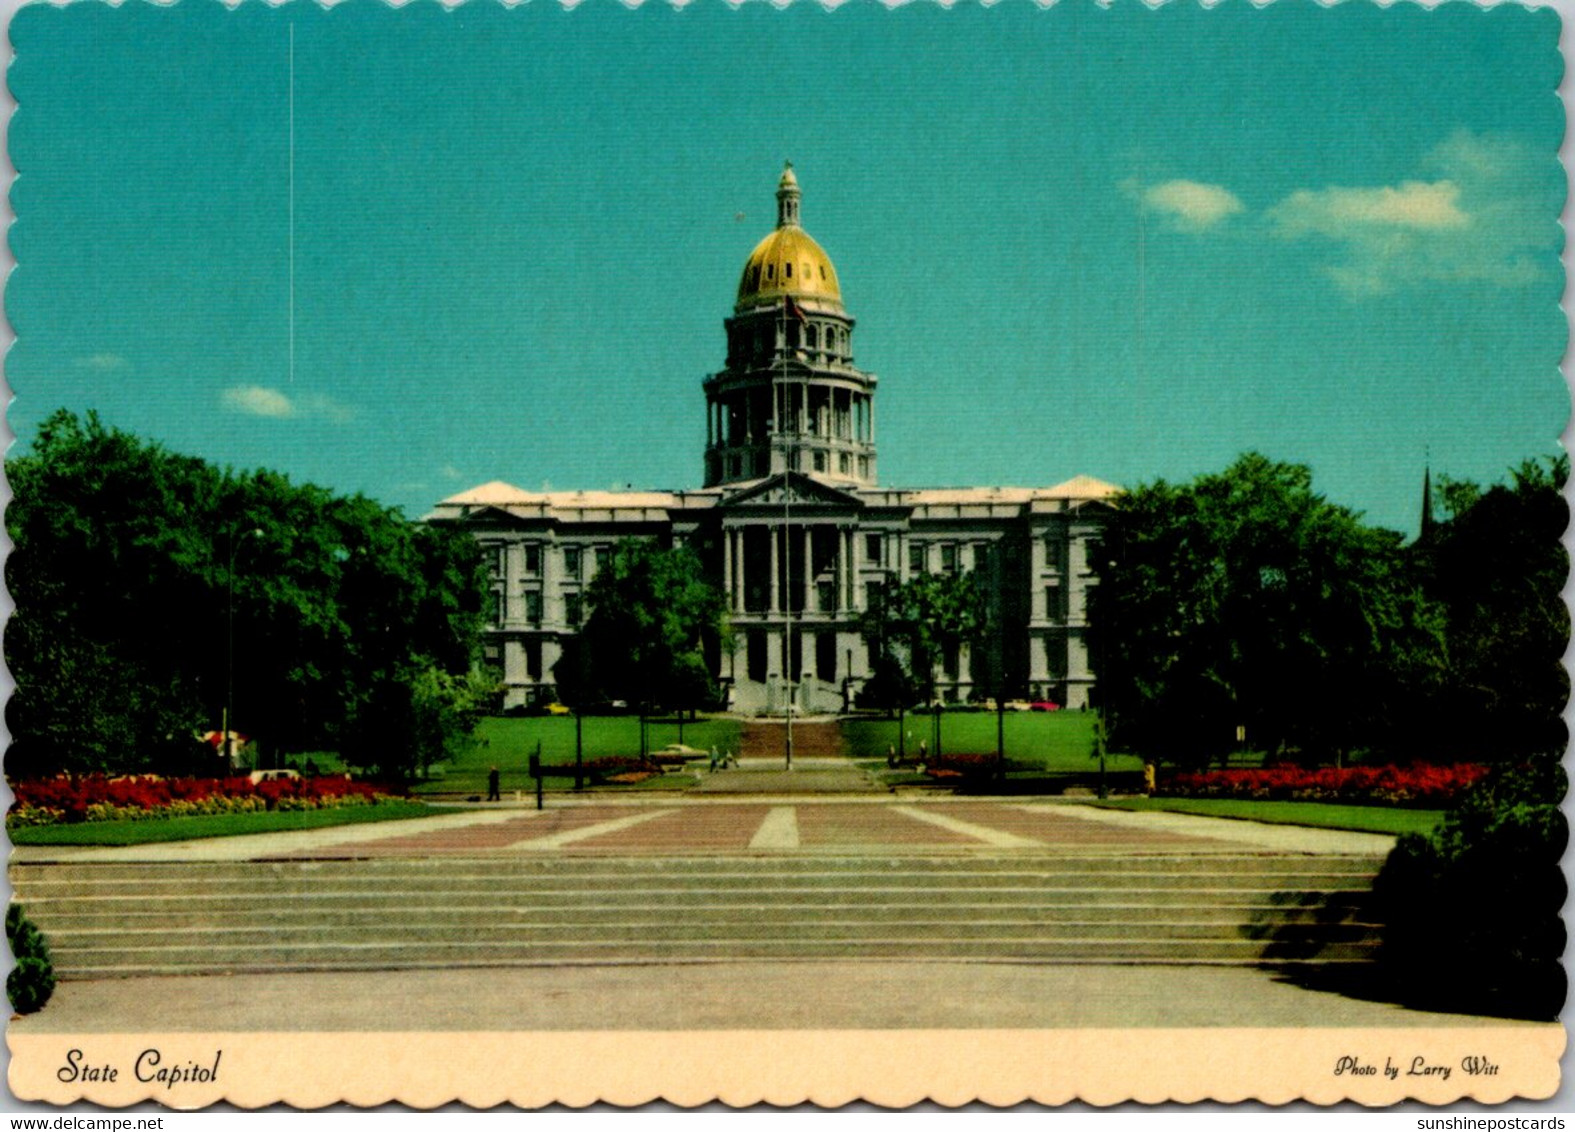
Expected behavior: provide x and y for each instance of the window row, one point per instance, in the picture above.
(573, 608)
(573, 559)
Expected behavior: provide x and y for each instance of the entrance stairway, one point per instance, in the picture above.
(109, 920)
(812, 739)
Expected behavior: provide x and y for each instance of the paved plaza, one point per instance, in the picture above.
(764, 822)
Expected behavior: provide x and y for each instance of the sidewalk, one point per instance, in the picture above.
(718, 996)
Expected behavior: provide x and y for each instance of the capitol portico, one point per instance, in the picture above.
(793, 527)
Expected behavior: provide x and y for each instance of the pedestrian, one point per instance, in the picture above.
(492, 786)
(891, 754)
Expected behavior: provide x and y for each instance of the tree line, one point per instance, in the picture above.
(1244, 609)
(141, 576)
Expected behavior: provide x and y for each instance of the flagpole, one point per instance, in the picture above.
(787, 542)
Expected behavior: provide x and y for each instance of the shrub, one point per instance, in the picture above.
(32, 981)
(1471, 913)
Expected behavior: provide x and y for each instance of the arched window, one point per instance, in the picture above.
(811, 337)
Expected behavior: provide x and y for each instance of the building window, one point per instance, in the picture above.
(1055, 553)
(571, 561)
(499, 608)
(787, 270)
(916, 564)
(532, 558)
(948, 559)
(533, 606)
(826, 595)
(1053, 607)
(826, 656)
(872, 549)
(603, 556)
(864, 467)
(573, 608)
(820, 461)
(755, 650)
(874, 594)
(533, 659)
(843, 463)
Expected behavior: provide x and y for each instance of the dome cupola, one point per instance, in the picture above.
(788, 261)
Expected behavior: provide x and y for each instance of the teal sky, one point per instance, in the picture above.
(1123, 242)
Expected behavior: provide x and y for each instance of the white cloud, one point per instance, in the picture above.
(261, 401)
(1339, 212)
(104, 363)
(1482, 219)
(1191, 205)
(257, 401)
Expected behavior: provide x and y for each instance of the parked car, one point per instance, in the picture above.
(1044, 705)
(557, 709)
(1018, 705)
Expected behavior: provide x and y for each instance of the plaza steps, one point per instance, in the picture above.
(812, 739)
(112, 920)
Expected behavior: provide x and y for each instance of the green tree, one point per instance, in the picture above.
(911, 627)
(654, 629)
(1244, 599)
(132, 567)
(1497, 567)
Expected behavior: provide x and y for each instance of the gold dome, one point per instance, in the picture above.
(788, 262)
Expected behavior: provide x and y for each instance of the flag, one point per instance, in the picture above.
(792, 309)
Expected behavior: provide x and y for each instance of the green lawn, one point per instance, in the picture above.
(213, 825)
(1363, 819)
(1058, 742)
(507, 742)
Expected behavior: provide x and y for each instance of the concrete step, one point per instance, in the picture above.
(326, 915)
(383, 955)
(451, 870)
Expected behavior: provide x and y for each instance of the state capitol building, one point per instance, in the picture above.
(792, 525)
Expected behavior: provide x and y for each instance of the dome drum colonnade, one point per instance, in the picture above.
(789, 397)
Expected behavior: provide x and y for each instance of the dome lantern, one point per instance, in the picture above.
(787, 198)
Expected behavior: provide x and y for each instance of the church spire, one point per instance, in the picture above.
(787, 198)
(1426, 527)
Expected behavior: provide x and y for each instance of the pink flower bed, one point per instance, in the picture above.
(1418, 785)
(97, 797)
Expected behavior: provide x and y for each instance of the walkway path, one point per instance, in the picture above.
(766, 823)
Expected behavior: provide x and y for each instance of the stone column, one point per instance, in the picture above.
(809, 564)
(727, 569)
(856, 569)
(551, 585)
(776, 590)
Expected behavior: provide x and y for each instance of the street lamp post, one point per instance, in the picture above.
(229, 646)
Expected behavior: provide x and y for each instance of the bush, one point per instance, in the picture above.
(32, 981)
(1471, 913)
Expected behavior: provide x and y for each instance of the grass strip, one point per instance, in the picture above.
(151, 830)
(1318, 815)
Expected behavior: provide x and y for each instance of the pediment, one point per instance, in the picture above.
(794, 489)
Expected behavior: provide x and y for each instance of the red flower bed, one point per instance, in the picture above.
(616, 764)
(67, 798)
(1418, 785)
(960, 766)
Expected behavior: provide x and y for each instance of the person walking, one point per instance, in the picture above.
(492, 786)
